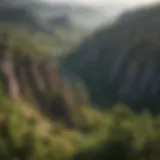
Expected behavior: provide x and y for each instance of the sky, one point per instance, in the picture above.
(95, 2)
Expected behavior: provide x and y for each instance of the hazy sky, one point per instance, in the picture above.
(126, 2)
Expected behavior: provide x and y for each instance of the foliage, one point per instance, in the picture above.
(129, 137)
(110, 135)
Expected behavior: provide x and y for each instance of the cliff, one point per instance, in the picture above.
(35, 80)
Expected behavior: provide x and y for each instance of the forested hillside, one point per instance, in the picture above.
(120, 63)
(46, 111)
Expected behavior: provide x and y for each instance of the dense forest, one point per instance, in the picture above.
(66, 108)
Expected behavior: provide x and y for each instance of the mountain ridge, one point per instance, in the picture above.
(119, 62)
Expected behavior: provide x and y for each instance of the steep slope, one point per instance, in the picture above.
(37, 80)
(119, 63)
(92, 17)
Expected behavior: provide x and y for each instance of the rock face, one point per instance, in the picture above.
(36, 80)
(119, 63)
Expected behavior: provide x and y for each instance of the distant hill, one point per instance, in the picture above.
(61, 22)
(44, 17)
(80, 16)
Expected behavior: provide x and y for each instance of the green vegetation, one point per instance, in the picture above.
(62, 41)
(98, 134)
(104, 135)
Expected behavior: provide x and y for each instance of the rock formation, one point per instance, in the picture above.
(25, 76)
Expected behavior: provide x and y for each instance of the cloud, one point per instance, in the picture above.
(131, 2)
